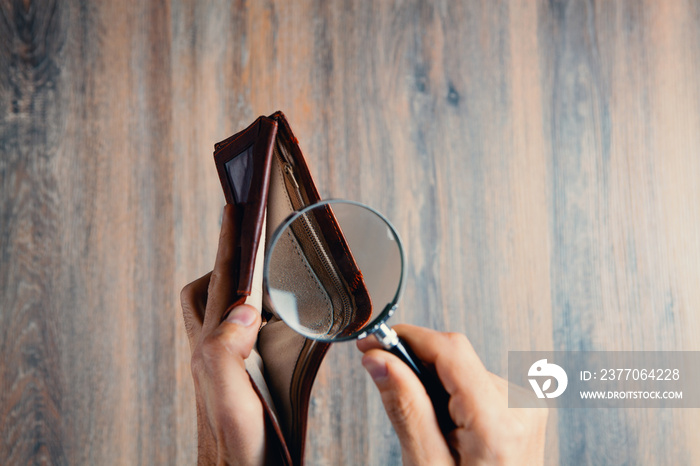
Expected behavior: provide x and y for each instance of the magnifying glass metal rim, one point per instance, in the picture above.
(390, 307)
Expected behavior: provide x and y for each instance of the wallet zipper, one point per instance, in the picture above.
(290, 173)
(315, 242)
(327, 265)
(288, 169)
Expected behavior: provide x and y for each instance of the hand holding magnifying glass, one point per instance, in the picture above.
(488, 431)
(334, 271)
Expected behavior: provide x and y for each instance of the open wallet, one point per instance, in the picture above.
(264, 174)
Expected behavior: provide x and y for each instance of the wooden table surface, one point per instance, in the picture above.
(540, 159)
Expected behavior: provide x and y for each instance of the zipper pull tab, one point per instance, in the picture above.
(290, 172)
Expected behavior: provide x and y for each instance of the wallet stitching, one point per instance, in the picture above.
(356, 278)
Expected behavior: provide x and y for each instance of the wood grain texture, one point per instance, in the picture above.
(541, 161)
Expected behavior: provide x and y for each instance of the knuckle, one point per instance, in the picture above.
(186, 294)
(458, 345)
(457, 340)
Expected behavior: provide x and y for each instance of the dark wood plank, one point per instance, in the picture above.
(540, 160)
(87, 253)
(32, 393)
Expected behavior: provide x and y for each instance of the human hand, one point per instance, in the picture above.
(230, 416)
(488, 432)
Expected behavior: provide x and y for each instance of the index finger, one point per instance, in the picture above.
(222, 289)
(193, 299)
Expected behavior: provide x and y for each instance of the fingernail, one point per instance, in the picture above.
(376, 367)
(242, 315)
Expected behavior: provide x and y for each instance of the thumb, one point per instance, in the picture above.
(239, 330)
(409, 409)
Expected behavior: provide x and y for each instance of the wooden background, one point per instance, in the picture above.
(540, 159)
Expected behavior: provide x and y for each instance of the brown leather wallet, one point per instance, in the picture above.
(264, 174)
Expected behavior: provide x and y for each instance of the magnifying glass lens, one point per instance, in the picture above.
(333, 270)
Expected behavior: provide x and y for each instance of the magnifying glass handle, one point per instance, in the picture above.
(437, 393)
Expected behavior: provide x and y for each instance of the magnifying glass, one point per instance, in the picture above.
(335, 271)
